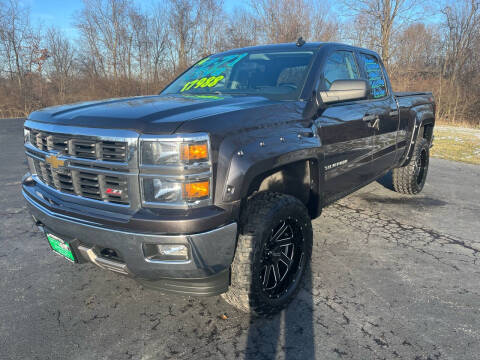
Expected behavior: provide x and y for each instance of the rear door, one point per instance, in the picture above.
(347, 139)
(384, 112)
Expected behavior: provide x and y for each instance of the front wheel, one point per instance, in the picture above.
(410, 179)
(272, 254)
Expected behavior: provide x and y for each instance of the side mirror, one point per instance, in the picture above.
(343, 90)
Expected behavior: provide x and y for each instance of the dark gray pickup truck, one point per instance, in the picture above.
(209, 187)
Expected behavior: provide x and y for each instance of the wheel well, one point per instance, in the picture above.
(299, 179)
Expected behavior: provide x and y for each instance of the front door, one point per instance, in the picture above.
(345, 130)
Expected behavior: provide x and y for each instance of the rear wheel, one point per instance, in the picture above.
(410, 179)
(272, 253)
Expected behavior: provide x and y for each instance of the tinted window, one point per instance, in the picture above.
(374, 75)
(275, 74)
(340, 65)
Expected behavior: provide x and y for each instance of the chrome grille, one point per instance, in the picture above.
(115, 151)
(89, 163)
(111, 188)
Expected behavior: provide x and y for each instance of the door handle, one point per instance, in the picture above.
(370, 118)
(373, 121)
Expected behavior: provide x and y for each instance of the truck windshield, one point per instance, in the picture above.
(278, 75)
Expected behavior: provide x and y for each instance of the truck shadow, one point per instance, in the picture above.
(387, 181)
(406, 201)
(398, 199)
(289, 334)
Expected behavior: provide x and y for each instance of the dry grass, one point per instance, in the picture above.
(462, 124)
(457, 143)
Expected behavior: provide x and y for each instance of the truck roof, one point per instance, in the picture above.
(282, 46)
(293, 46)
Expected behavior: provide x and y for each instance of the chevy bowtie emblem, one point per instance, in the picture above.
(54, 161)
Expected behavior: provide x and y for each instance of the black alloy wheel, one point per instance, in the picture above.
(283, 258)
(410, 178)
(273, 252)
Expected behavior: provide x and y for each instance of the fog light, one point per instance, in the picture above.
(176, 251)
(163, 252)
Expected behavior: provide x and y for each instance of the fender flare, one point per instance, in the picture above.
(421, 119)
(264, 158)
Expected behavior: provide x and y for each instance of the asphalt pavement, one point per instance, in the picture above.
(392, 276)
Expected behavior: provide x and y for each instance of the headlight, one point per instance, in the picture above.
(175, 151)
(175, 170)
(26, 135)
(157, 153)
(161, 190)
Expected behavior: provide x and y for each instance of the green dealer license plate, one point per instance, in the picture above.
(60, 247)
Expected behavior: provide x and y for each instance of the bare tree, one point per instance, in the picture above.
(325, 27)
(61, 64)
(158, 40)
(242, 29)
(462, 29)
(127, 48)
(211, 26)
(418, 49)
(361, 32)
(16, 36)
(284, 20)
(183, 30)
(140, 51)
(104, 27)
(379, 19)
(20, 51)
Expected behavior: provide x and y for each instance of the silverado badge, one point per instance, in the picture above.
(54, 161)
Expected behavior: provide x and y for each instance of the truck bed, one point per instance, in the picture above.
(412, 99)
(410, 93)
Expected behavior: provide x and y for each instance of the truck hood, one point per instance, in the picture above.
(159, 114)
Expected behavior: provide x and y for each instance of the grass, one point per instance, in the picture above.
(464, 124)
(457, 143)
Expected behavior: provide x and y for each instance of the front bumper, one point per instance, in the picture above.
(206, 272)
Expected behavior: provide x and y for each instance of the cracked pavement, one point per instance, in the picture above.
(392, 276)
